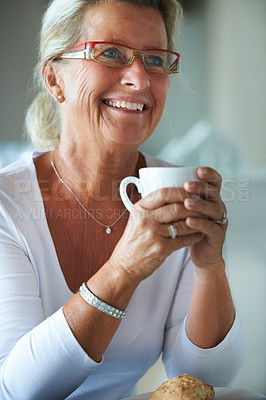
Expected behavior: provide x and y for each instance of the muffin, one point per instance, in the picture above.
(183, 387)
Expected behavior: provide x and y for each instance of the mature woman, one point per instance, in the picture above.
(63, 225)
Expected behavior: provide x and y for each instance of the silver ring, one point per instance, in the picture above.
(223, 220)
(172, 231)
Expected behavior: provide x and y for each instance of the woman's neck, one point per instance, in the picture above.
(96, 175)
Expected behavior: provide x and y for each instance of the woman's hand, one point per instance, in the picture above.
(146, 241)
(207, 253)
(211, 309)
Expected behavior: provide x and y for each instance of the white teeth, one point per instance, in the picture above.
(125, 105)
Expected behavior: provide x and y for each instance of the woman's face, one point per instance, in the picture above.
(90, 88)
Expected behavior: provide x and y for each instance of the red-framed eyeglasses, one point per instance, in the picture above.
(119, 55)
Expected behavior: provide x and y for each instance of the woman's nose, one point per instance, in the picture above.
(136, 75)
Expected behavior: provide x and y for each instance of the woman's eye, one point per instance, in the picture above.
(155, 61)
(112, 53)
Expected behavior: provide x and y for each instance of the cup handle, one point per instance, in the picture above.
(123, 190)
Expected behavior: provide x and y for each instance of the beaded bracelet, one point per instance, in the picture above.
(89, 297)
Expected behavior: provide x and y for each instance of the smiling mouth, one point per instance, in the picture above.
(124, 105)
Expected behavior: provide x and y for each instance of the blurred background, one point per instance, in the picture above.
(215, 116)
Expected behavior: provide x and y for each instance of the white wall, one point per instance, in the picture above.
(237, 82)
(19, 25)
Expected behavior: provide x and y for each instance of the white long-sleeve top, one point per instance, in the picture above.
(40, 358)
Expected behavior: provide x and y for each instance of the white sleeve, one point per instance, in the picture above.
(39, 359)
(217, 366)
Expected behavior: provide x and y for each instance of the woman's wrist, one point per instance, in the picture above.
(113, 285)
(210, 271)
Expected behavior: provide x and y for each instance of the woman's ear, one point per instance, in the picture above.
(53, 81)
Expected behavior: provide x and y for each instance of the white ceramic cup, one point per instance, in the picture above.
(154, 178)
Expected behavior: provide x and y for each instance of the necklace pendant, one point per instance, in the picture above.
(108, 230)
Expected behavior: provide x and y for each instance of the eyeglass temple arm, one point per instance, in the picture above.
(81, 51)
(86, 54)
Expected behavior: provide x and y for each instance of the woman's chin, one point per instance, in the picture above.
(126, 135)
(126, 139)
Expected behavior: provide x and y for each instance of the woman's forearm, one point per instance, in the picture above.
(92, 328)
(211, 310)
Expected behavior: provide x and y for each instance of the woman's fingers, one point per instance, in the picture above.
(213, 231)
(172, 212)
(208, 187)
(163, 196)
(165, 205)
(211, 176)
(183, 241)
(213, 210)
(176, 229)
(201, 189)
(205, 195)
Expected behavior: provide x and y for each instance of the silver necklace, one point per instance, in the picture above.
(108, 229)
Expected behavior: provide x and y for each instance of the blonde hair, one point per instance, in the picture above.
(61, 30)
